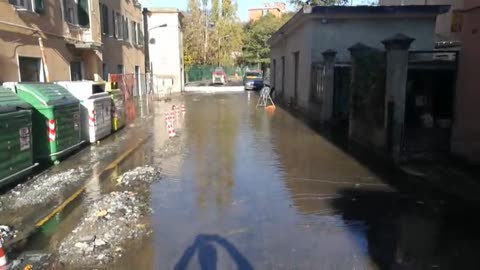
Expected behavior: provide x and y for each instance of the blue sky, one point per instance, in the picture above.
(243, 5)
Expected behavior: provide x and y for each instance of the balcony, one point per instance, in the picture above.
(81, 37)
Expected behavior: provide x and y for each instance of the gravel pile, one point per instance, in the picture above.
(172, 147)
(107, 228)
(41, 189)
(139, 177)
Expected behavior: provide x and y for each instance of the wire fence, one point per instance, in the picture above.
(198, 73)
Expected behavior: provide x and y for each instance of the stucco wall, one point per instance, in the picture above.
(298, 41)
(166, 53)
(313, 37)
(340, 34)
(466, 128)
(444, 21)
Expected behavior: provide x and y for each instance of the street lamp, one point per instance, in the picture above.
(152, 41)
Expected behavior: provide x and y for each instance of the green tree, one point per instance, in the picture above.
(226, 35)
(256, 49)
(215, 11)
(228, 9)
(193, 37)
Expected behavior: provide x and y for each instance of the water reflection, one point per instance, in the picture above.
(213, 140)
(405, 232)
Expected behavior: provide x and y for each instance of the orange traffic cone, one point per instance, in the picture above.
(3, 258)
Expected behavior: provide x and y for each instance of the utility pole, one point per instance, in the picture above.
(146, 40)
(146, 49)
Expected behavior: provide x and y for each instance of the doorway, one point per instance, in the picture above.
(296, 57)
(138, 86)
(429, 112)
(341, 93)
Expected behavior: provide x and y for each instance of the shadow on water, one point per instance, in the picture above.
(205, 247)
(404, 232)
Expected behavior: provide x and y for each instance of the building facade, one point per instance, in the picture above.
(166, 50)
(349, 66)
(276, 9)
(301, 42)
(48, 40)
(466, 130)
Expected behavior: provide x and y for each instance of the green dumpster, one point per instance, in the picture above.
(56, 119)
(16, 153)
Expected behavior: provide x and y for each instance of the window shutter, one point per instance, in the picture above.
(107, 24)
(39, 6)
(140, 35)
(83, 14)
(114, 28)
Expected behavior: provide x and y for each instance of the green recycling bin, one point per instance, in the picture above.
(16, 152)
(56, 119)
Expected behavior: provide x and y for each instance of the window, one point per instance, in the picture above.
(31, 5)
(126, 33)
(76, 12)
(318, 76)
(120, 69)
(119, 25)
(134, 32)
(114, 24)
(30, 69)
(76, 71)
(140, 34)
(104, 19)
(105, 71)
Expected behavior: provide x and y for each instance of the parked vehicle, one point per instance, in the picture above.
(56, 118)
(219, 76)
(118, 117)
(16, 151)
(96, 107)
(253, 80)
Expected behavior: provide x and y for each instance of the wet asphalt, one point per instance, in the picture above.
(258, 190)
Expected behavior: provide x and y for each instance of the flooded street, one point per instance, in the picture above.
(245, 189)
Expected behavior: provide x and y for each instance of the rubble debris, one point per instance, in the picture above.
(41, 189)
(33, 260)
(140, 176)
(6, 233)
(100, 239)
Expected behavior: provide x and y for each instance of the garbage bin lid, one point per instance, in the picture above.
(48, 94)
(10, 102)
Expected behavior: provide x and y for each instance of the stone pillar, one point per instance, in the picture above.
(328, 84)
(356, 129)
(396, 85)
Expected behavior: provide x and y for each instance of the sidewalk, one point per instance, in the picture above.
(454, 179)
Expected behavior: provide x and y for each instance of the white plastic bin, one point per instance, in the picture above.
(96, 107)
